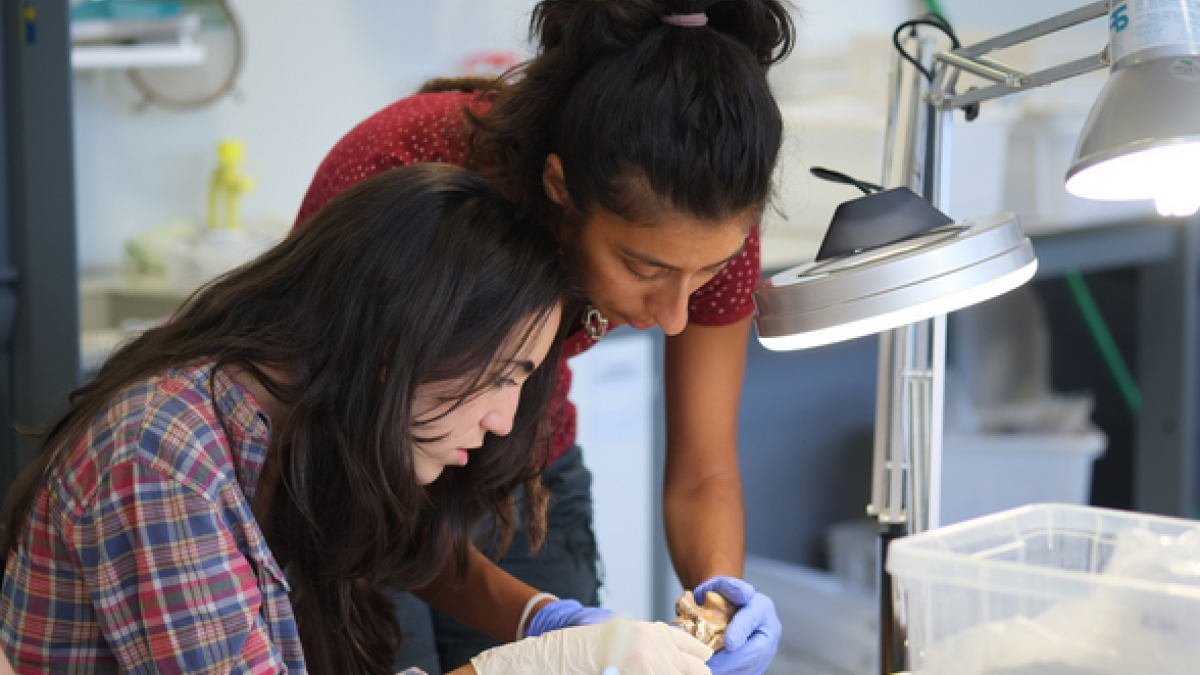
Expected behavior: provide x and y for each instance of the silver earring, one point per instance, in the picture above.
(595, 323)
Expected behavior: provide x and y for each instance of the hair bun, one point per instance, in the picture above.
(585, 28)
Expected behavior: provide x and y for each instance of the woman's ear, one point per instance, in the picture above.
(554, 183)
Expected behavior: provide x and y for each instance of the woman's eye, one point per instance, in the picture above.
(643, 275)
(505, 381)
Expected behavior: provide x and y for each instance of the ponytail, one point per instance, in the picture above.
(643, 114)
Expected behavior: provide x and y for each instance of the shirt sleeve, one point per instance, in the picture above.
(729, 297)
(171, 591)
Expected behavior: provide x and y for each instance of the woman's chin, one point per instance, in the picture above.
(428, 476)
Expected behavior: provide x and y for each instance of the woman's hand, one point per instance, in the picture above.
(565, 614)
(752, 636)
(652, 649)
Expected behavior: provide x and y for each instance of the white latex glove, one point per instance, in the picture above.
(653, 649)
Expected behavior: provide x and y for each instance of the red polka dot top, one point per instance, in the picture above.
(430, 128)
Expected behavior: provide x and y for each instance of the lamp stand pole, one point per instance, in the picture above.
(911, 381)
(906, 489)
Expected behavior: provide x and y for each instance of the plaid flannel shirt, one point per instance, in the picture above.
(141, 553)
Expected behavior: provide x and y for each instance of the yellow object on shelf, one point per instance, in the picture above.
(228, 184)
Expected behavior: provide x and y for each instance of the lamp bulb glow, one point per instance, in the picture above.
(1180, 204)
(1179, 193)
(1168, 174)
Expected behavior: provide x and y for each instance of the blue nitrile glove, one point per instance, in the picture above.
(752, 636)
(564, 614)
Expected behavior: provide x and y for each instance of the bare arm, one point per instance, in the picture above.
(702, 490)
(489, 600)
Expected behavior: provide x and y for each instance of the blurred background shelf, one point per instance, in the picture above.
(128, 34)
(137, 56)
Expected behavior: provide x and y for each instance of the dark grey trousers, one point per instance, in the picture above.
(566, 565)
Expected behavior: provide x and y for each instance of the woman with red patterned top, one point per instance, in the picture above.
(644, 135)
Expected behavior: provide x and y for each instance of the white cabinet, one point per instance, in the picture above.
(613, 389)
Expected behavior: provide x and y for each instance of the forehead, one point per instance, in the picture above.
(674, 237)
(529, 340)
(526, 342)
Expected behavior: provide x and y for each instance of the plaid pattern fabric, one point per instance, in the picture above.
(141, 553)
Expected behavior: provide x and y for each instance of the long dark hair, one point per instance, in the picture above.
(642, 114)
(420, 274)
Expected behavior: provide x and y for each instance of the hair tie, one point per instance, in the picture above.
(686, 20)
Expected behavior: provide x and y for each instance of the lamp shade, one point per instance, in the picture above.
(1142, 138)
(892, 285)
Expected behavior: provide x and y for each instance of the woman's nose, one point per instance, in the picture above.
(671, 310)
(502, 412)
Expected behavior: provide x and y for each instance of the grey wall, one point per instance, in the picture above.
(805, 438)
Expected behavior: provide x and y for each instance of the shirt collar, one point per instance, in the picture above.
(248, 424)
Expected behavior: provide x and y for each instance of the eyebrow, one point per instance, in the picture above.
(654, 262)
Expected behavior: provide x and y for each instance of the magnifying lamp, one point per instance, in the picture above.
(1141, 141)
(866, 279)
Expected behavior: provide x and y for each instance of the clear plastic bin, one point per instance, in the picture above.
(1029, 591)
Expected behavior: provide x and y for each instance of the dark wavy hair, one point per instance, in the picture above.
(642, 114)
(420, 274)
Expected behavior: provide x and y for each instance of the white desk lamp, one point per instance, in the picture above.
(1141, 141)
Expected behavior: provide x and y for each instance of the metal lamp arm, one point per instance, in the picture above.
(1009, 80)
